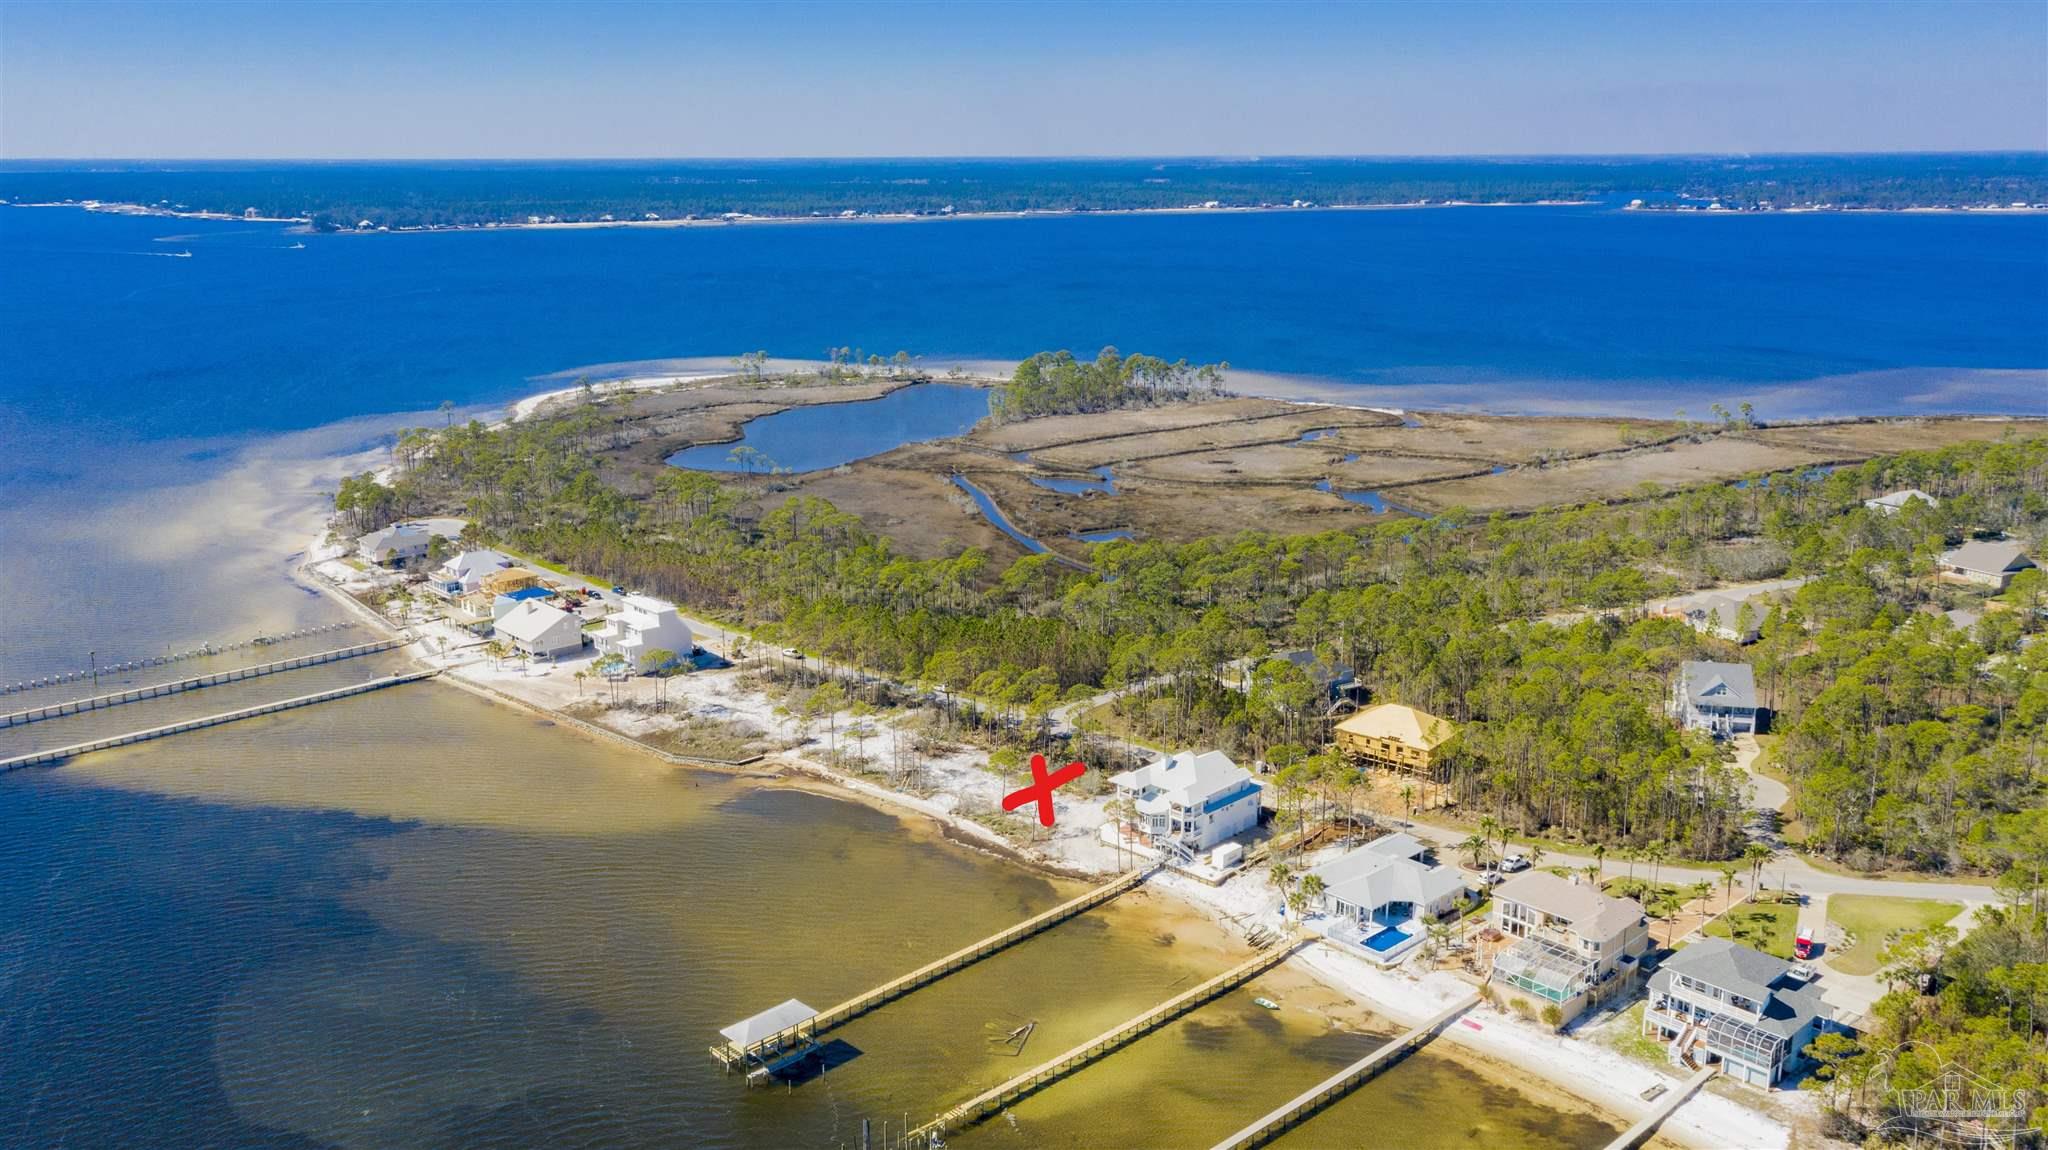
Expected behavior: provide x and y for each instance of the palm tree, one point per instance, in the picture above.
(1473, 846)
(1756, 855)
(1535, 854)
(1490, 829)
(1408, 804)
(1728, 881)
(1599, 861)
(1311, 888)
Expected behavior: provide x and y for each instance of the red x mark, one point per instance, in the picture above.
(1041, 787)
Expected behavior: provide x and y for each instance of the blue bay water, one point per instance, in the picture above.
(107, 326)
(814, 438)
(414, 920)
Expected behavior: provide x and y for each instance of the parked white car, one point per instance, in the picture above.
(1514, 864)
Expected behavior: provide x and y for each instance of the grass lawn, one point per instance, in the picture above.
(1625, 1035)
(1768, 927)
(1873, 919)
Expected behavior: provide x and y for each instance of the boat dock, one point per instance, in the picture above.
(199, 652)
(990, 1102)
(1640, 1133)
(196, 682)
(61, 753)
(1307, 1104)
(733, 1053)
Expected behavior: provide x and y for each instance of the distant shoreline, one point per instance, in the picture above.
(304, 223)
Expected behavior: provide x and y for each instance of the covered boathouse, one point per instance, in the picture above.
(770, 1042)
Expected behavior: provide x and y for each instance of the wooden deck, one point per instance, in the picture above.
(194, 683)
(859, 1004)
(59, 754)
(1038, 1077)
(1307, 1104)
(1641, 1132)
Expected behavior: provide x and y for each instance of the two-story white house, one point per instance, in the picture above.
(1573, 945)
(1718, 1001)
(536, 629)
(642, 624)
(1190, 802)
(1718, 698)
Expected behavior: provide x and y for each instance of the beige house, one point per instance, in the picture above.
(1397, 737)
(1573, 945)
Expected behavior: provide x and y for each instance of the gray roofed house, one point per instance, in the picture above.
(1984, 562)
(396, 543)
(1719, 698)
(1962, 619)
(1391, 882)
(1721, 616)
(1574, 945)
(1718, 1001)
(1896, 502)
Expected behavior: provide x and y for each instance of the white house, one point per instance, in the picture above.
(1574, 946)
(536, 629)
(465, 572)
(1384, 891)
(1719, 698)
(1986, 564)
(1189, 802)
(1896, 502)
(1718, 1001)
(395, 544)
(643, 624)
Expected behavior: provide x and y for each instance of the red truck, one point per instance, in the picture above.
(1802, 944)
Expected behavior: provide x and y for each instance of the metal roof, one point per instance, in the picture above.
(768, 1023)
(1719, 684)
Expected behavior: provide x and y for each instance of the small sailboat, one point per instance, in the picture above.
(1268, 1003)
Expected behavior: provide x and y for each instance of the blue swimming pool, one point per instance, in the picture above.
(1387, 939)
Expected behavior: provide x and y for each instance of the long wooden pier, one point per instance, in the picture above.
(1640, 1133)
(732, 1055)
(1308, 1103)
(61, 753)
(196, 682)
(199, 652)
(990, 1102)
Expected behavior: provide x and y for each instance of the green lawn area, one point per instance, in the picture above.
(1873, 919)
(1625, 1035)
(1768, 927)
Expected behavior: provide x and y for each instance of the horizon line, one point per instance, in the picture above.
(1074, 157)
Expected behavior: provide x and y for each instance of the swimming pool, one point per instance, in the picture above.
(1386, 939)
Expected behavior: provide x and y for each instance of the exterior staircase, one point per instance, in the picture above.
(1682, 1049)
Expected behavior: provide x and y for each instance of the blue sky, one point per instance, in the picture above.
(858, 79)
